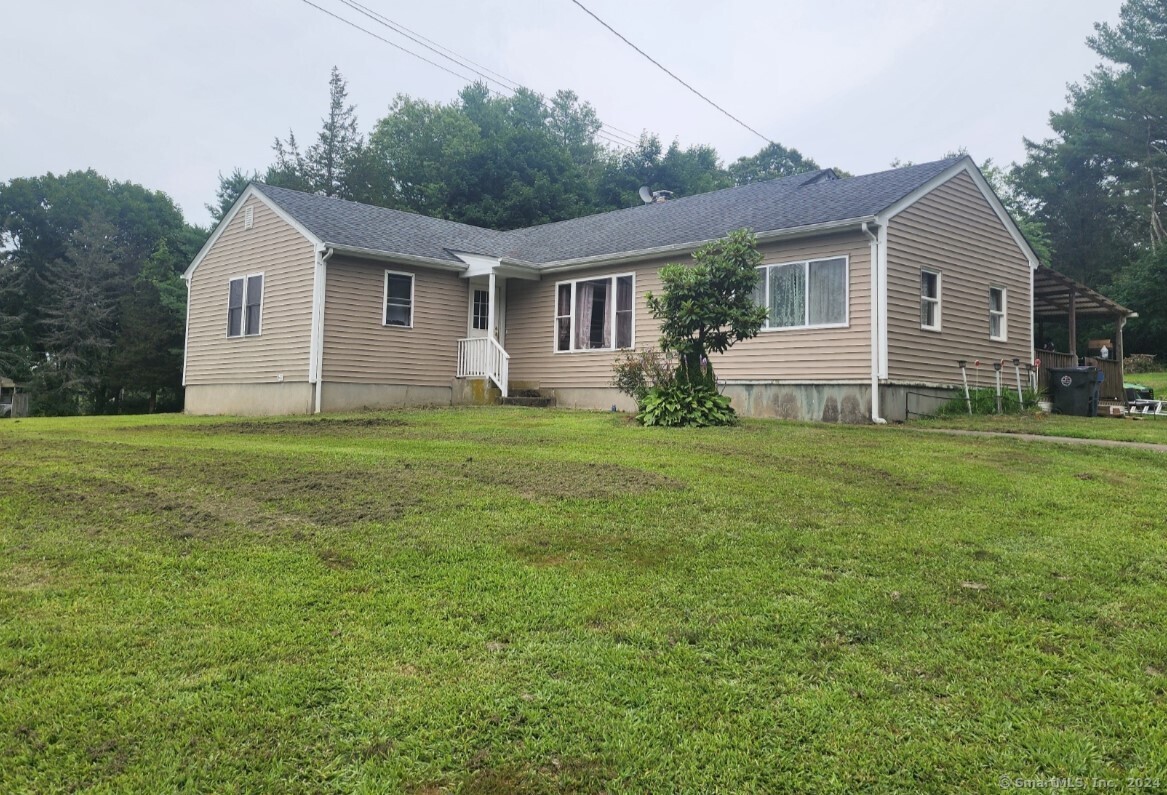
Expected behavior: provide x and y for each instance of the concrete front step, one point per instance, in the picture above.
(532, 401)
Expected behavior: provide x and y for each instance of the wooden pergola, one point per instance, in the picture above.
(1058, 297)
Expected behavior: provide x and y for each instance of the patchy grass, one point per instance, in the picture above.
(1123, 429)
(1157, 381)
(507, 600)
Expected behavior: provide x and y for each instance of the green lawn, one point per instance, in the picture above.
(1157, 381)
(1127, 429)
(508, 600)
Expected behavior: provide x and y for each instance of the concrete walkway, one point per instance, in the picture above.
(1034, 437)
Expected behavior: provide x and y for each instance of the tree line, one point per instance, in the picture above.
(92, 305)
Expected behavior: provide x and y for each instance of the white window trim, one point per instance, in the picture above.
(242, 335)
(767, 328)
(385, 298)
(1004, 313)
(612, 277)
(938, 300)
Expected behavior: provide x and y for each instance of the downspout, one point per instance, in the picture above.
(876, 414)
(317, 343)
(186, 335)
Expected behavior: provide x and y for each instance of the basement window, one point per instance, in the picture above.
(929, 300)
(245, 305)
(594, 314)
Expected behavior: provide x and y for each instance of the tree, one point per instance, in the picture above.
(684, 172)
(705, 308)
(1099, 186)
(331, 166)
(771, 162)
(71, 247)
(708, 306)
(81, 320)
(230, 188)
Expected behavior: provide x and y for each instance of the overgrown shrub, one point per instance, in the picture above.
(636, 372)
(984, 401)
(1140, 363)
(686, 403)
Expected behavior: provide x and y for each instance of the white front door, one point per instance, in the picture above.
(478, 319)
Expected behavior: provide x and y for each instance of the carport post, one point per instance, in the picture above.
(1074, 321)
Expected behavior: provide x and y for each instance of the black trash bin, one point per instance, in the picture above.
(1073, 390)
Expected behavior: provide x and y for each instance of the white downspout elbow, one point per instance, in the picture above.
(876, 414)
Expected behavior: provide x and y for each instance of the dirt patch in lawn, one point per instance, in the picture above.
(569, 480)
(307, 427)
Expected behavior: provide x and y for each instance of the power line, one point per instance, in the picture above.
(466, 63)
(664, 69)
(604, 135)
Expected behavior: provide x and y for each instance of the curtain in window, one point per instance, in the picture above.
(787, 295)
(606, 334)
(624, 312)
(828, 292)
(585, 293)
(563, 318)
(760, 292)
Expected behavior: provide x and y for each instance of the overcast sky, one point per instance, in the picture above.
(169, 94)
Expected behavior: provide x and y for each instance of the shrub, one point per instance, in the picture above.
(1140, 363)
(984, 401)
(636, 372)
(686, 403)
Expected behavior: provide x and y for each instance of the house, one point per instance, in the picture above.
(877, 285)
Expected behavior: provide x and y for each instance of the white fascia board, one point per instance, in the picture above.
(389, 256)
(683, 248)
(967, 166)
(484, 264)
(248, 192)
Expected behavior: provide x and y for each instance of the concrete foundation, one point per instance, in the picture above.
(842, 403)
(357, 397)
(902, 402)
(595, 398)
(289, 397)
(475, 392)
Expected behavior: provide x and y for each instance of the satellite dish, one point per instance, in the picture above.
(645, 194)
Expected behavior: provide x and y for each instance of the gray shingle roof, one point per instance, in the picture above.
(780, 204)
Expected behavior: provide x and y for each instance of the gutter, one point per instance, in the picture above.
(316, 346)
(876, 414)
(409, 259)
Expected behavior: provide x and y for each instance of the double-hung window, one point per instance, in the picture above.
(398, 299)
(594, 314)
(808, 294)
(929, 300)
(244, 305)
(997, 328)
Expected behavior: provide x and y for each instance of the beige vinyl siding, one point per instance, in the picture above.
(286, 258)
(779, 355)
(360, 349)
(954, 231)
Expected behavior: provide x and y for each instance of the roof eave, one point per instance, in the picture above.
(809, 230)
(396, 256)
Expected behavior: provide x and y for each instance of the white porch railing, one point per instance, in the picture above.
(483, 357)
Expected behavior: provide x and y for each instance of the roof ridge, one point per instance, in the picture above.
(673, 202)
(264, 187)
